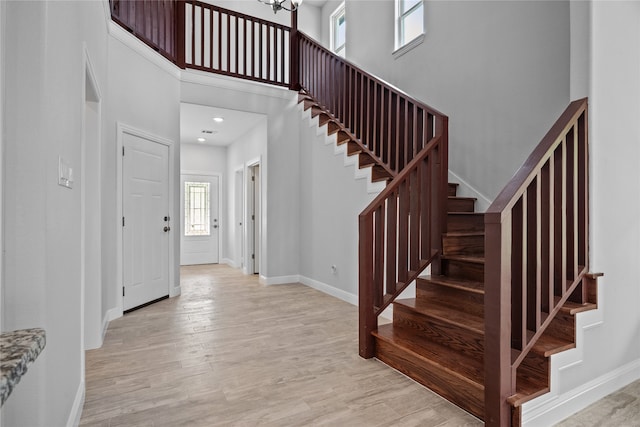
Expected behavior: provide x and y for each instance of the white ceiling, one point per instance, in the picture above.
(196, 118)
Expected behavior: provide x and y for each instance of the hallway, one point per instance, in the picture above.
(229, 351)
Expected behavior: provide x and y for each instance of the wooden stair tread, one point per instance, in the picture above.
(447, 359)
(527, 390)
(548, 344)
(458, 318)
(462, 198)
(571, 307)
(466, 285)
(378, 173)
(463, 233)
(470, 259)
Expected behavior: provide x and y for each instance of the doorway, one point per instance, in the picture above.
(91, 212)
(146, 221)
(239, 219)
(254, 232)
(200, 224)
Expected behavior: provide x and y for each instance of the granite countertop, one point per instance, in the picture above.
(18, 349)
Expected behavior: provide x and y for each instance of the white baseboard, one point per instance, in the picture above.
(330, 290)
(175, 291)
(231, 263)
(76, 409)
(278, 280)
(108, 317)
(564, 405)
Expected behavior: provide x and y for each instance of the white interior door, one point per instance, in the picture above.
(200, 221)
(146, 222)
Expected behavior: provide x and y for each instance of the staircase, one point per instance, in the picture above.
(438, 337)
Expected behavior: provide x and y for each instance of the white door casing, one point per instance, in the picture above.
(146, 220)
(202, 249)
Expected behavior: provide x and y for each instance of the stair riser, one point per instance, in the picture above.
(535, 368)
(453, 336)
(464, 393)
(463, 270)
(457, 299)
(465, 222)
(460, 205)
(464, 245)
(563, 326)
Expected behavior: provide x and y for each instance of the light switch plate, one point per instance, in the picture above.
(65, 173)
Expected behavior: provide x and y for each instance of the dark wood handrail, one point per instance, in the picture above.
(536, 253)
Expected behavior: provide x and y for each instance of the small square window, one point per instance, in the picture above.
(338, 31)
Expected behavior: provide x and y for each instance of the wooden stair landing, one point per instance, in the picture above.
(437, 338)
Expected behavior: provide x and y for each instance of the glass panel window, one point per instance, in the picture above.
(338, 31)
(196, 209)
(409, 21)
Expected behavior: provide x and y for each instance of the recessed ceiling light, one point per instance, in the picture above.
(218, 119)
(201, 140)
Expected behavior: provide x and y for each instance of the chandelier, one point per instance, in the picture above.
(276, 5)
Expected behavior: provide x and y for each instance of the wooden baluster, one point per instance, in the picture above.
(220, 66)
(559, 221)
(583, 190)
(201, 37)
(193, 34)
(378, 275)
(414, 235)
(518, 269)
(179, 36)
(532, 260)
(403, 231)
(236, 44)
(546, 233)
(392, 226)
(245, 22)
(425, 207)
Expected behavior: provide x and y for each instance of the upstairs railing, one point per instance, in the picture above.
(389, 125)
(226, 42)
(155, 22)
(536, 253)
(202, 36)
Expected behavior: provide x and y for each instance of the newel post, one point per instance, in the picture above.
(294, 56)
(499, 379)
(367, 318)
(179, 37)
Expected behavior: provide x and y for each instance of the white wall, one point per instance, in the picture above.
(203, 158)
(144, 93)
(499, 70)
(43, 120)
(330, 201)
(608, 353)
(242, 153)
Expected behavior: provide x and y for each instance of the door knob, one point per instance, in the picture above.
(166, 229)
(215, 226)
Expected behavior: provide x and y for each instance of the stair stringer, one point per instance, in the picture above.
(341, 150)
(561, 402)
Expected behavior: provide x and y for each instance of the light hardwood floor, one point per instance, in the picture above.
(229, 351)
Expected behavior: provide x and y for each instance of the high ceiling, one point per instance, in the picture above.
(194, 119)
